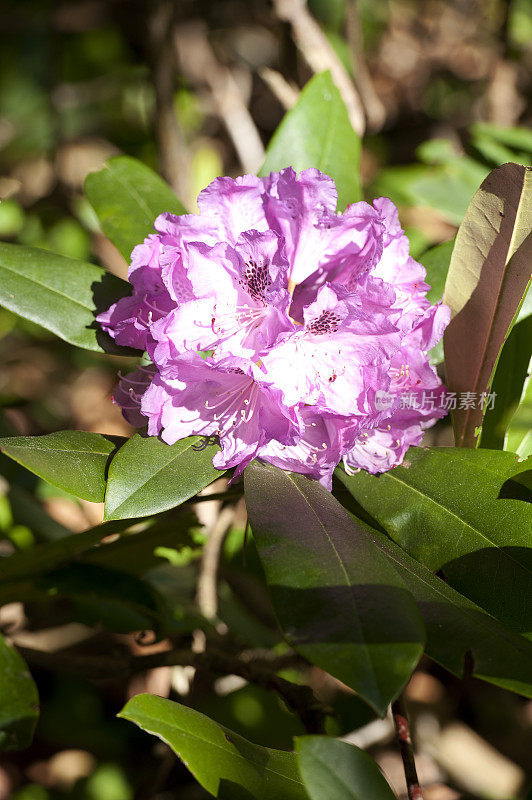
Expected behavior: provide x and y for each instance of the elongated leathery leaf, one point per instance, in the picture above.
(337, 598)
(317, 133)
(335, 770)
(62, 294)
(127, 197)
(50, 555)
(460, 632)
(443, 507)
(148, 476)
(511, 376)
(225, 764)
(76, 461)
(19, 701)
(489, 274)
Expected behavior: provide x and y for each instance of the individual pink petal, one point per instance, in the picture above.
(236, 205)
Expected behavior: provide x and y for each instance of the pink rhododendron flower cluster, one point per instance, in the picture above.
(278, 325)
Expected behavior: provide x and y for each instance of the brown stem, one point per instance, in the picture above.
(402, 728)
(260, 669)
(207, 596)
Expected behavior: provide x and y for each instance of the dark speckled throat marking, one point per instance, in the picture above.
(257, 279)
(328, 322)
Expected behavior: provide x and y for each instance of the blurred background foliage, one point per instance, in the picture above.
(195, 88)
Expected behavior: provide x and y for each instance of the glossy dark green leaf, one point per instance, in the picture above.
(49, 555)
(19, 701)
(224, 763)
(127, 197)
(137, 552)
(335, 770)
(103, 596)
(76, 461)
(317, 133)
(148, 476)
(461, 636)
(443, 507)
(61, 294)
(27, 511)
(337, 598)
(510, 377)
(490, 272)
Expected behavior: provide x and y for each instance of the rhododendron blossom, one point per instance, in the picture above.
(290, 332)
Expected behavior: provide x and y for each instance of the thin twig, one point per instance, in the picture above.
(286, 93)
(402, 728)
(320, 55)
(199, 61)
(208, 576)
(260, 670)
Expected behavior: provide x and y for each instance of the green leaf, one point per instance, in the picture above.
(496, 153)
(148, 476)
(516, 137)
(49, 555)
(127, 197)
(526, 306)
(490, 271)
(436, 261)
(225, 764)
(137, 552)
(443, 507)
(461, 636)
(96, 595)
(335, 770)
(519, 436)
(446, 187)
(76, 461)
(61, 294)
(19, 701)
(27, 511)
(496, 142)
(438, 151)
(337, 599)
(317, 133)
(102, 596)
(511, 375)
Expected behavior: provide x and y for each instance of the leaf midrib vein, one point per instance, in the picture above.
(53, 290)
(144, 483)
(197, 738)
(31, 449)
(135, 195)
